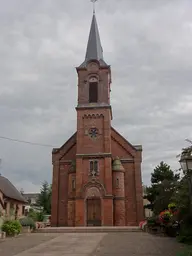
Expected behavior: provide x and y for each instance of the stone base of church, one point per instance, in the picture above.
(88, 229)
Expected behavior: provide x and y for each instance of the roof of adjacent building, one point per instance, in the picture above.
(94, 47)
(9, 190)
(30, 195)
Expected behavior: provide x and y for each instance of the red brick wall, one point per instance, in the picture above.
(132, 176)
(63, 197)
(118, 191)
(55, 195)
(108, 212)
(99, 118)
(71, 213)
(79, 212)
(61, 165)
(103, 76)
(130, 197)
(119, 212)
(139, 189)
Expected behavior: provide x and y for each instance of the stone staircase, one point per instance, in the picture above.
(87, 229)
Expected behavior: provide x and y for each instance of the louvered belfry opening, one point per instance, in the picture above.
(93, 92)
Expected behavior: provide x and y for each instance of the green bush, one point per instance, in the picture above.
(27, 222)
(185, 236)
(185, 233)
(36, 216)
(187, 252)
(32, 214)
(11, 227)
(153, 221)
(39, 216)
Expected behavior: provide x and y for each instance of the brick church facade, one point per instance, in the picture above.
(97, 172)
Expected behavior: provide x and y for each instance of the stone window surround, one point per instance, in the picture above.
(93, 167)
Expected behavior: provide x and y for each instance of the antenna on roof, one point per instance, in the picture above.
(94, 1)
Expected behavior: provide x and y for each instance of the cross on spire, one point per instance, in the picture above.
(94, 48)
(94, 1)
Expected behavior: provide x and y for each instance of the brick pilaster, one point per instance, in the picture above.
(55, 195)
(138, 190)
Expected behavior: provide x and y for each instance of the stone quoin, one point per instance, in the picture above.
(97, 172)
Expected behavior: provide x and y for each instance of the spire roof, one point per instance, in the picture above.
(94, 47)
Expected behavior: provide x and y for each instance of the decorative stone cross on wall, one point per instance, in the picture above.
(93, 173)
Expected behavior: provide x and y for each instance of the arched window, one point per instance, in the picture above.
(73, 184)
(91, 165)
(93, 90)
(95, 166)
(94, 169)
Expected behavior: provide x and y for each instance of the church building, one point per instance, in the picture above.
(97, 172)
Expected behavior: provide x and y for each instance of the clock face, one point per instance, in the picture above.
(93, 132)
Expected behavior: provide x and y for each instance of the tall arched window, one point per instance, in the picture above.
(94, 168)
(93, 90)
(73, 184)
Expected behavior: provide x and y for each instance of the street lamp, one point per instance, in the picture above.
(186, 166)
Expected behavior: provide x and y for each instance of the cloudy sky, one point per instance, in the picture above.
(148, 43)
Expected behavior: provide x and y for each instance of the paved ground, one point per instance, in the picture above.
(98, 244)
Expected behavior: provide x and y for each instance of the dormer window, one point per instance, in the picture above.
(93, 90)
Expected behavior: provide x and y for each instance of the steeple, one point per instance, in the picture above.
(94, 47)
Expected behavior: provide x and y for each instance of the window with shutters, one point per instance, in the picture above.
(93, 92)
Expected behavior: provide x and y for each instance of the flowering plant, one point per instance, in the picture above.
(165, 216)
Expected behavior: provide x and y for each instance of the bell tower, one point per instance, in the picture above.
(94, 115)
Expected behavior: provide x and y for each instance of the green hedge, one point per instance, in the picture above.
(11, 227)
(27, 222)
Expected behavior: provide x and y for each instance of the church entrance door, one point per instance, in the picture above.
(94, 212)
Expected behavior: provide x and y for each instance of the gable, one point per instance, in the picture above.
(67, 151)
(121, 147)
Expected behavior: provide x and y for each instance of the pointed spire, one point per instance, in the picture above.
(94, 48)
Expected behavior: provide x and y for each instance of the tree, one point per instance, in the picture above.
(163, 183)
(44, 198)
(181, 196)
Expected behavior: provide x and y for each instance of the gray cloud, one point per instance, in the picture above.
(147, 43)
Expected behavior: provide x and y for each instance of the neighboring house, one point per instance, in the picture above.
(147, 212)
(31, 198)
(12, 203)
(32, 202)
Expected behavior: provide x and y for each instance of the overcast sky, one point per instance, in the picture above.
(148, 44)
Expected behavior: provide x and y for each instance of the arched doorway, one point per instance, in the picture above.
(93, 207)
(93, 212)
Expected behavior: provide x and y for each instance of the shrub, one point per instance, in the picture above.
(27, 222)
(153, 221)
(185, 233)
(187, 252)
(11, 227)
(32, 215)
(39, 216)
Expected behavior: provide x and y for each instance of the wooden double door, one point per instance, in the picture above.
(94, 212)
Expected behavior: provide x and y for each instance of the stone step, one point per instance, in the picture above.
(87, 229)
